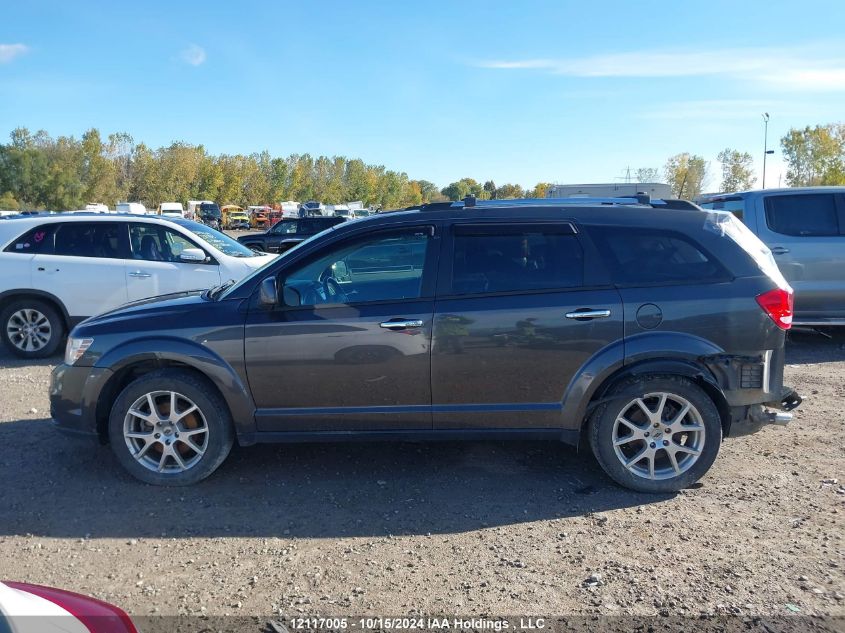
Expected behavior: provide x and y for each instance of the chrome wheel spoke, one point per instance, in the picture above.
(674, 461)
(178, 459)
(181, 415)
(680, 448)
(199, 450)
(636, 458)
(149, 418)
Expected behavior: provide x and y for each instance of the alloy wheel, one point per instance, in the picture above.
(165, 432)
(29, 330)
(658, 436)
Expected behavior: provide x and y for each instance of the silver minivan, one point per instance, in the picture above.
(805, 229)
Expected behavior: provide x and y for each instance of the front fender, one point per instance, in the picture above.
(193, 355)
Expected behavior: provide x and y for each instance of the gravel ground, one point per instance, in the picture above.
(472, 528)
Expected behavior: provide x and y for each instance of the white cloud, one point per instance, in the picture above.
(193, 55)
(9, 51)
(798, 68)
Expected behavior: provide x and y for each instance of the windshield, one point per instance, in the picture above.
(259, 272)
(218, 240)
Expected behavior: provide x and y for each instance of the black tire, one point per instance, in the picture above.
(12, 317)
(213, 412)
(603, 431)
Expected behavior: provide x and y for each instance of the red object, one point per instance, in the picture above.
(96, 615)
(777, 304)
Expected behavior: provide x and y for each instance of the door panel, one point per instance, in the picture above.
(145, 279)
(87, 285)
(333, 368)
(351, 351)
(506, 361)
(155, 268)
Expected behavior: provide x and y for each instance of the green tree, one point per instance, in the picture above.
(737, 170)
(686, 174)
(509, 191)
(539, 191)
(490, 188)
(8, 202)
(815, 156)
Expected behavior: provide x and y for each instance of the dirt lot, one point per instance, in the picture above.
(475, 528)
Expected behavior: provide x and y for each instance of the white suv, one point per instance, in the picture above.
(57, 270)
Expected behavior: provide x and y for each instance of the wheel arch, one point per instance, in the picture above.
(132, 360)
(694, 370)
(8, 296)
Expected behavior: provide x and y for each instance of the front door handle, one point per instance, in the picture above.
(780, 250)
(401, 325)
(139, 273)
(588, 314)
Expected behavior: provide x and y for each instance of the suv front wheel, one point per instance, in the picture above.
(170, 427)
(657, 434)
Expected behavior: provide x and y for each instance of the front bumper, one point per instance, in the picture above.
(73, 398)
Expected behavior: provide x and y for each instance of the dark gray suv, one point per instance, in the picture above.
(647, 334)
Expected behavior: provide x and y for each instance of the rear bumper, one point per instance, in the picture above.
(752, 418)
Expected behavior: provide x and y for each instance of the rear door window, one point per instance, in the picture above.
(510, 258)
(734, 204)
(37, 240)
(803, 215)
(649, 256)
(94, 239)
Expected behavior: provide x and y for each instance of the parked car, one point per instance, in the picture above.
(286, 234)
(26, 608)
(171, 210)
(57, 270)
(805, 229)
(648, 334)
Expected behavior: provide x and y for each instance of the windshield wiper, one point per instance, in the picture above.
(218, 289)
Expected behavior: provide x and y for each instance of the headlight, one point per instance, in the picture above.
(75, 348)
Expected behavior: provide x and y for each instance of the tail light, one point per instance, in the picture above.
(777, 304)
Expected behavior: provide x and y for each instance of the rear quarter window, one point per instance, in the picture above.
(652, 256)
(803, 215)
(37, 240)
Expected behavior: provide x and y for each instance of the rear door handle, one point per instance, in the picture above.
(401, 325)
(588, 314)
(780, 250)
(139, 273)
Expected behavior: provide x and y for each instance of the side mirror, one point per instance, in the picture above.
(267, 294)
(192, 255)
(291, 296)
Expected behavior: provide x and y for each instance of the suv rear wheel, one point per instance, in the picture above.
(659, 434)
(170, 427)
(32, 328)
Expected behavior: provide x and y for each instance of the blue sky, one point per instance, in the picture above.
(510, 91)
